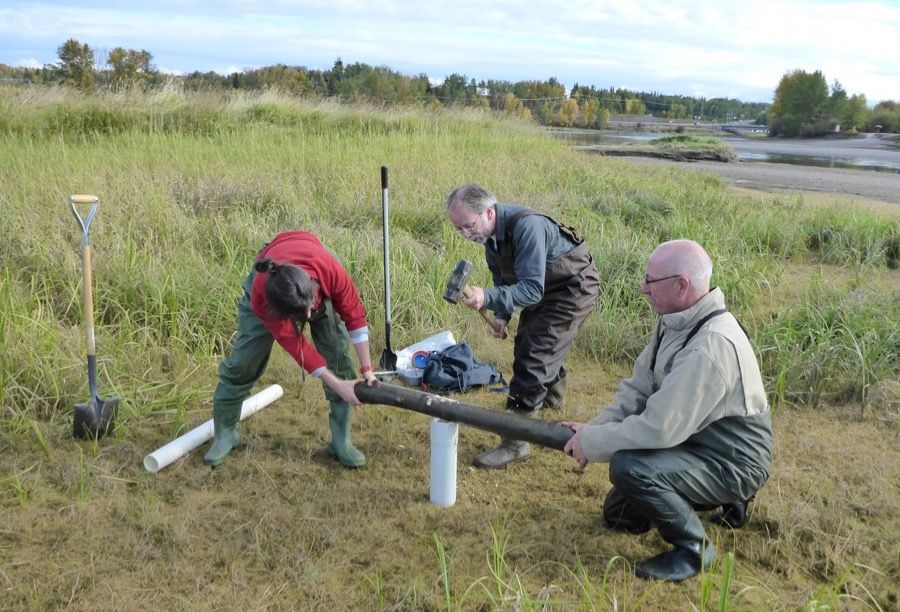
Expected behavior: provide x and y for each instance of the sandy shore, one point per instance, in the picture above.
(877, 187)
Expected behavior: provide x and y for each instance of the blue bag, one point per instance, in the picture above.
(455, 369)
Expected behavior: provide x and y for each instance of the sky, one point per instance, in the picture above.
(736, 48)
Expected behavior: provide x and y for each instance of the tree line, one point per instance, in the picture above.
(546, 102)
(802, 106)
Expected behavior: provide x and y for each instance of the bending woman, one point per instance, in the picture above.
(295, 282)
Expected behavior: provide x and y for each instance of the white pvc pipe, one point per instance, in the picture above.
(444, 436)
(181, 446)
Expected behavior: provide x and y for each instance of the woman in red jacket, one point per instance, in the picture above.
(296, 282)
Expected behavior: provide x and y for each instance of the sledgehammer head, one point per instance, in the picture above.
(456, 286)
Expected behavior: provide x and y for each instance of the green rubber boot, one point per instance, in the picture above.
(226, 437)
(341, 446)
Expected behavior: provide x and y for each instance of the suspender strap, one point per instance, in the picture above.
(659, 335)
(689, 337)
(700, 323)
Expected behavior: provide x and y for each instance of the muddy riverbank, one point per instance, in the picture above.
(790, 178)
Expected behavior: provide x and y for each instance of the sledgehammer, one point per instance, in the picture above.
(458, 287)
(505, 424)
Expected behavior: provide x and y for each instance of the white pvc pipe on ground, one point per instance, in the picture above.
(182, 445)
(444, 436)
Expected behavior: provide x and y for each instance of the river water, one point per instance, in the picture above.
(868, 152)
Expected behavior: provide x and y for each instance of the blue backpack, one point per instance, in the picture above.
(455, 369)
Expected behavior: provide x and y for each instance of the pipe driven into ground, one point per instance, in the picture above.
(506, 424)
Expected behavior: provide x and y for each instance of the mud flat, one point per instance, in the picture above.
(790, 178)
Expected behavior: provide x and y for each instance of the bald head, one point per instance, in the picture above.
(685, 258)
(678, 258)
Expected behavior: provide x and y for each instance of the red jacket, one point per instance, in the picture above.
(304, 250)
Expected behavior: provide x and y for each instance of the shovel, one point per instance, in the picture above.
(94, 418)
(388, 359)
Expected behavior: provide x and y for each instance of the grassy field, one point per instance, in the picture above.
(191, 187)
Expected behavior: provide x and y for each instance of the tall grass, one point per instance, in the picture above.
(191, 186)
(832, 346)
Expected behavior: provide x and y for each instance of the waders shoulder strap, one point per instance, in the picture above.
(689, 337)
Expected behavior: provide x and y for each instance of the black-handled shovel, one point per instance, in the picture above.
(388, 359)
(94, 418)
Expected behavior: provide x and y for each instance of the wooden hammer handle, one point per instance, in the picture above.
(487, 316)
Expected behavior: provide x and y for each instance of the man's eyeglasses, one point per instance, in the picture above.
(468, 228)
(650, 281)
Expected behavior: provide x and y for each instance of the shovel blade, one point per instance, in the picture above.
(95, 419)
(388, 360)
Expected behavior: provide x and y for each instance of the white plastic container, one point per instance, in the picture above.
(444, 437)
(409, 372)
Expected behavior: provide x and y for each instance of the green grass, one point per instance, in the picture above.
(191, 187)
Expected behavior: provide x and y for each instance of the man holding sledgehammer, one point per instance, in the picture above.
(542, 268)
(295, 282)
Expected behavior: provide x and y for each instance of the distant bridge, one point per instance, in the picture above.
(744, 127)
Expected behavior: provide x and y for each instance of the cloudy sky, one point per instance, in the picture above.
(739, 48)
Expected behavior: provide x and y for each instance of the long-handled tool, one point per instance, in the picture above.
(458, 287)
(94, 418)
(506, 424)
(388, 359)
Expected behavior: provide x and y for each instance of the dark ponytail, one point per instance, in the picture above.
(289, 290)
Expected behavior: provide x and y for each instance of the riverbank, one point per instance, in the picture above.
(877, 152)
(873, 187)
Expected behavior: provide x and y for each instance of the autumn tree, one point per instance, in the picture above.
(602, 119)
(514, 106)
(568, 111)
(589, 110)
(129, 67)
(633, 106)
(76, 62)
